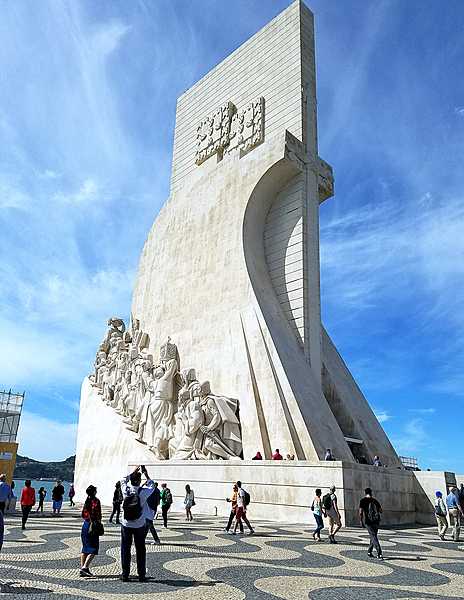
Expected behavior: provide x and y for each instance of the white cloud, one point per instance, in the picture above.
(412, 438)
(423, 411)
(44, 439)
(382, 415)
(459, 110)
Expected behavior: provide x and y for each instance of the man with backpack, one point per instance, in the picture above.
(133, 524)
(149, 512)
(330, 507)
(166, 501)
(369, 517)
(243, 500)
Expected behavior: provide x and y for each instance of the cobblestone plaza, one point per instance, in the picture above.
(199, 560)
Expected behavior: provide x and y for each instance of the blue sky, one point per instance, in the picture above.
(87, 106)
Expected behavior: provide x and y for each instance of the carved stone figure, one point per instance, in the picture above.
(158, 428)
(221, 428)
(168, 410)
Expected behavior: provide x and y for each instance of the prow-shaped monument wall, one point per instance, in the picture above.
(226, 354)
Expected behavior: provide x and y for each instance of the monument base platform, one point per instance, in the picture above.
(280, 490)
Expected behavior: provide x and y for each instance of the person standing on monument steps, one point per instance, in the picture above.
(330, 506)
(369, 516)
(133, 526)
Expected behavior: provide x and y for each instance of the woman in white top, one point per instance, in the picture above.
(189, 502)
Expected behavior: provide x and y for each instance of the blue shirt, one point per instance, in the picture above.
(452, 501)
(4, 491)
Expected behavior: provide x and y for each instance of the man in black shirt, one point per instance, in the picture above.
(57, 497)
(369, 517)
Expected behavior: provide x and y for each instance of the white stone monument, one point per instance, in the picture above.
(229, 275)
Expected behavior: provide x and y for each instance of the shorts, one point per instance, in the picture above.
(334, 520)
(57, 504)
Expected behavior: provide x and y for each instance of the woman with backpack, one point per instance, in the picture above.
(318, 511)
(92, 528)
(189, 502)
(440, 514)
(166, 501)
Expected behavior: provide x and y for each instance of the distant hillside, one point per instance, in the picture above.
(27, 468)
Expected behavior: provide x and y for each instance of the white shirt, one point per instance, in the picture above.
(241, 498)
(144, 492)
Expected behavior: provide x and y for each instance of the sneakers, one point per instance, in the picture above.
(251, 532)
(380, 557)
(85, 572)
(370, 555)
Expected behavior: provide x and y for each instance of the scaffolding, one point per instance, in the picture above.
(11, 405)
(409, 463)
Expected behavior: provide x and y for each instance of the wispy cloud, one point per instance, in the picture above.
(382, 415)
(423, 411)
(412, 438)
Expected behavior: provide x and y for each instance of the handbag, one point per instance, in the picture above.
(96, 528)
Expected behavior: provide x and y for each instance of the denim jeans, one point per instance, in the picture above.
(319, 525)
(138, 535)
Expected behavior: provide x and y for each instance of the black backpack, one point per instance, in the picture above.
(327, 501)
(246, 498)
(154, 499)
(373, 514)
(132, 507)
(168, 497)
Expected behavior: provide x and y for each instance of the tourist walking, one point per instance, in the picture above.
(318, 511)
(243, 500)
(189, 502)
(57, 497)
(369, 517)
(454, 511)
(330, 506)
(440, 514)
(27, 501)
(117, 501)
(166, 502)
(71, 495)
(277, 455)
(5, 491)
(149, 511)
(133, 526)
(41, 494)
(233, 501)
(92, 528)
